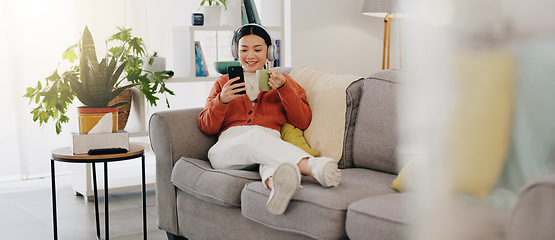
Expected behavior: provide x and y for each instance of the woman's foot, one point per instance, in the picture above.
(285, 182)
(325, 171)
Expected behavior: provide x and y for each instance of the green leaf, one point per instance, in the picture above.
(119, 104)
(53, 77)
(136, 45)
(117, 52)
(69, 53)
(123, 35)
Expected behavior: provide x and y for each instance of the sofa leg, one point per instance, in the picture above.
(172, 236)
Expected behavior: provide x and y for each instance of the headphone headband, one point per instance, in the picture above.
(272, 50)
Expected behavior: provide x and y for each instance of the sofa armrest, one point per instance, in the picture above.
(174, 134)
(534, 214)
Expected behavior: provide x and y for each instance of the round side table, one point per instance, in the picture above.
(66, 155)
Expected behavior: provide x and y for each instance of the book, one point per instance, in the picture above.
(82, 143)
(244, 17)
(201, 69)
(252, 13)
(255, 12)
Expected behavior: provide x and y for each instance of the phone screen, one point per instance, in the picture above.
(236, 71)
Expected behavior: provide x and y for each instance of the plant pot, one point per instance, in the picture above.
(212, 15)
(232, 16)
(123, 111)
(89, 117)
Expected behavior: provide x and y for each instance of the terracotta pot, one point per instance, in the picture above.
(123, 111)
(89, 117)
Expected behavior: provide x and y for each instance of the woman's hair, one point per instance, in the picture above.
(254, 30)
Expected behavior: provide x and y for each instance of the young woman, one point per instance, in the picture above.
(248, 124)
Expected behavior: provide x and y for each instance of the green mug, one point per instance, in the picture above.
(263, 76)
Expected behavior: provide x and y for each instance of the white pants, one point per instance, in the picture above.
(242, 147)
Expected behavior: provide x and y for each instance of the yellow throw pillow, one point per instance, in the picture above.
(295, 136)
(479, 127)
(400, 182)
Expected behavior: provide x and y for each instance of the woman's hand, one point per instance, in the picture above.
(229, 92)
(277, 79)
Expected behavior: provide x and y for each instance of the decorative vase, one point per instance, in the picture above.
(123, 111)
(89, 117)
(159, 64)
(212, 15)
(232, 15)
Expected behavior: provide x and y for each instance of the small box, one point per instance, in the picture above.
(197, 19)
(82, 143)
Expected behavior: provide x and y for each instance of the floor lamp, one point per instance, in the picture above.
(382, 9)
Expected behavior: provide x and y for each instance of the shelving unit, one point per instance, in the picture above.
(185, 36)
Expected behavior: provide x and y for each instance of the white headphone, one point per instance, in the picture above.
(272, 50)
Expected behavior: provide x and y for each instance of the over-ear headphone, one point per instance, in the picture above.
(272, 50)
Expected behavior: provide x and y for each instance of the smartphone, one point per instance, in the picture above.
(236, 71)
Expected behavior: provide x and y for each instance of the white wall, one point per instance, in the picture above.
(334, 35)
(352, 44)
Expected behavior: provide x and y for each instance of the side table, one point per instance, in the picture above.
(66, 155)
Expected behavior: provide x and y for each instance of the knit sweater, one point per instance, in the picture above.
(272, 109)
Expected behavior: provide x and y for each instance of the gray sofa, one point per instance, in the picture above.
(198, 202)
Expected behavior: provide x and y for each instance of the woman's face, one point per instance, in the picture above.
(252, 52)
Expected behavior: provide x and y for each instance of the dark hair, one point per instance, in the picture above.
(254, 30)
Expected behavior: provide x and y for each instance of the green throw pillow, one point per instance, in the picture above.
(295, 136)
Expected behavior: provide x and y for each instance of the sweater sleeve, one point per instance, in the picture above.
(293, 98)
(211, 118)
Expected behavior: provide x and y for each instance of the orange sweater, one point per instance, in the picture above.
(272, 109)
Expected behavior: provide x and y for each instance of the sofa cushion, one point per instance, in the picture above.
(325, 92)
(382, 217)
(375, 132)
(199, 179)
(325, 207)
(354, 91)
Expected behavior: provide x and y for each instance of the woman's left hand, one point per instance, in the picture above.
(277, 79)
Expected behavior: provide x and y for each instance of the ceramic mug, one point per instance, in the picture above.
(263, 76)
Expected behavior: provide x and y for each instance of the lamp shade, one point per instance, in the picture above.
(378, 8)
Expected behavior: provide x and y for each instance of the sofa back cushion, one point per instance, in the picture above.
(325, 92)
(371, 123)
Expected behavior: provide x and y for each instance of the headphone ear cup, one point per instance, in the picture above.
(234, 51)
(234, 45)
(272, 52)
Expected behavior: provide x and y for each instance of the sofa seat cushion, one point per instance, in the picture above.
(315, 211)
(382, 217)
(223, 187)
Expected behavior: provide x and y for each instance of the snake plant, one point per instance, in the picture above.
(97, 85)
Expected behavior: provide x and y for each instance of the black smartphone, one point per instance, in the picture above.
(236, 71)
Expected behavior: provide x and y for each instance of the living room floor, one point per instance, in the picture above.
(26, 212)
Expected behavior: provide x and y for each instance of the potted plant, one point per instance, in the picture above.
(95, 84)
(212, 11)
(139, 70)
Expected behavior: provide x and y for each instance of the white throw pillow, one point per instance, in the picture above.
(326, 95)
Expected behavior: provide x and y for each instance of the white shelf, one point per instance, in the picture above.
(185, 36)
(219, 28)
(192, 79)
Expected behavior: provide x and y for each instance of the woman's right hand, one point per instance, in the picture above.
(229, 92)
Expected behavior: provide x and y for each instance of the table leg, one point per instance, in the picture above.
(54, 215)
(95, 190)
(107, 225)
(144, 195)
